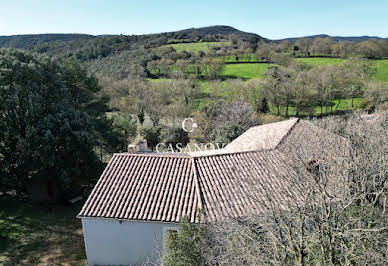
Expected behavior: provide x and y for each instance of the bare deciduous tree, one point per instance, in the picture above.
(339, 216)
(304, 45)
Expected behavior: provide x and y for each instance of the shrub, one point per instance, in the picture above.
(177, 135)
(152, 135)
(184, 247)
(125, 127)
(227, 132)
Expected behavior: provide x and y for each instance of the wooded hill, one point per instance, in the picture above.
(31, 40)
(84, 47)
(336, 38)
(219, 32)
(36, 41)
(202, 56)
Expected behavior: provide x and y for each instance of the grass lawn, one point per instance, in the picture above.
(245, 71)
(196, 46)
(241, 58)
(34, 234)
(321, 61)
(382, 70)
(248, 71)
(156, 80)
(381, 65)
(345, 104)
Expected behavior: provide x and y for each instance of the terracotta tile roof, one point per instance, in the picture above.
(145, 187)
(233, 182)
(263, 137)
(235, 185)
(304, 134)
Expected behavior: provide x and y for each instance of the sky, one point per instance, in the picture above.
(271, 19)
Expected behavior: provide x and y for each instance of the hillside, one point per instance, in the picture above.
(30, 40)
(214, 33)
(61, 41)
(335, 38)
(86, 48)
(222, 31)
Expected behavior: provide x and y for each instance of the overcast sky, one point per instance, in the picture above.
(270, 19)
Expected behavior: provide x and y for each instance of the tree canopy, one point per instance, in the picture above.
(52, 117)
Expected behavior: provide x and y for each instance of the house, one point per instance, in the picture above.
(141, 196)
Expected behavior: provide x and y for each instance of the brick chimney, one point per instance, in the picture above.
(132, 148)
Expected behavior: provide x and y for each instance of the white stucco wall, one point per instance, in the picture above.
(109, 242)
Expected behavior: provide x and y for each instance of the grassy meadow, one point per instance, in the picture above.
(381, 70)
(321, 61)
(240, 58)
(245, 71)
(34, 234)
(338, 105)
(196, 46)
(256, 70)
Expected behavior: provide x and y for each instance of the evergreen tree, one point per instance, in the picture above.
(126, 129)
(263, 106)
(152, 135)
(50, 116)
(140, 115)
(176, 135)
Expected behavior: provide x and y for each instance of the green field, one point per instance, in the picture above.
(196, 46)
(248, 71)
(344, 104)
(245, 71)
(241, 58)
(381, 65)
(321, 61)
(382, 70)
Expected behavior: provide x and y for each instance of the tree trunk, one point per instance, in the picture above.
(339, 102)
(300, 259)
(287, 109)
